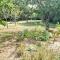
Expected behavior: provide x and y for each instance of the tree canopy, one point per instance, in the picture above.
(46, 10)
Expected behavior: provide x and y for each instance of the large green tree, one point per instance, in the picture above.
(46, 10)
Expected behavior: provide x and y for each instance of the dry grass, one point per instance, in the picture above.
(18, 27)
(41, 53)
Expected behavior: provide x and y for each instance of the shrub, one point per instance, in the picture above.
(58, 27)
(2, 22)
(35, 35)
(44, 36)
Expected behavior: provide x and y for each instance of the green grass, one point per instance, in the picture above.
(35, 35)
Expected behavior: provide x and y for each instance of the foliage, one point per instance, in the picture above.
(58, 27)
(35, 35)
(45, 10)
(2, 22)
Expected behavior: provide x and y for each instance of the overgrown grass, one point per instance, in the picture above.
(34, 52)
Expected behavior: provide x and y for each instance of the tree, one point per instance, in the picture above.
(4, 10)
(9, 9)
(49, 11)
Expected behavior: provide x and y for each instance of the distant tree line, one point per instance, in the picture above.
(46, 10)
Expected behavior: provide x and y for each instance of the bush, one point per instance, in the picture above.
(58, 27)
(44, 36)
(2, 23)
(35, 35)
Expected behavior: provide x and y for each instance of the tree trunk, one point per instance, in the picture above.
(47, 24)
(7, 23)
(15, 21)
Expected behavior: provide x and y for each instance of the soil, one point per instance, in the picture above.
(8, 52)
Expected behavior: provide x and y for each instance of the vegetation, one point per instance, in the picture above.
(37, 53)
(29, 9)
(33, 29)
(35, 35)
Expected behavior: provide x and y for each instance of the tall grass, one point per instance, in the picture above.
(41, 53)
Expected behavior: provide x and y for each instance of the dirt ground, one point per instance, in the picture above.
(8, 51)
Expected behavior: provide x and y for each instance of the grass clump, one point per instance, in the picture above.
(37, 53)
